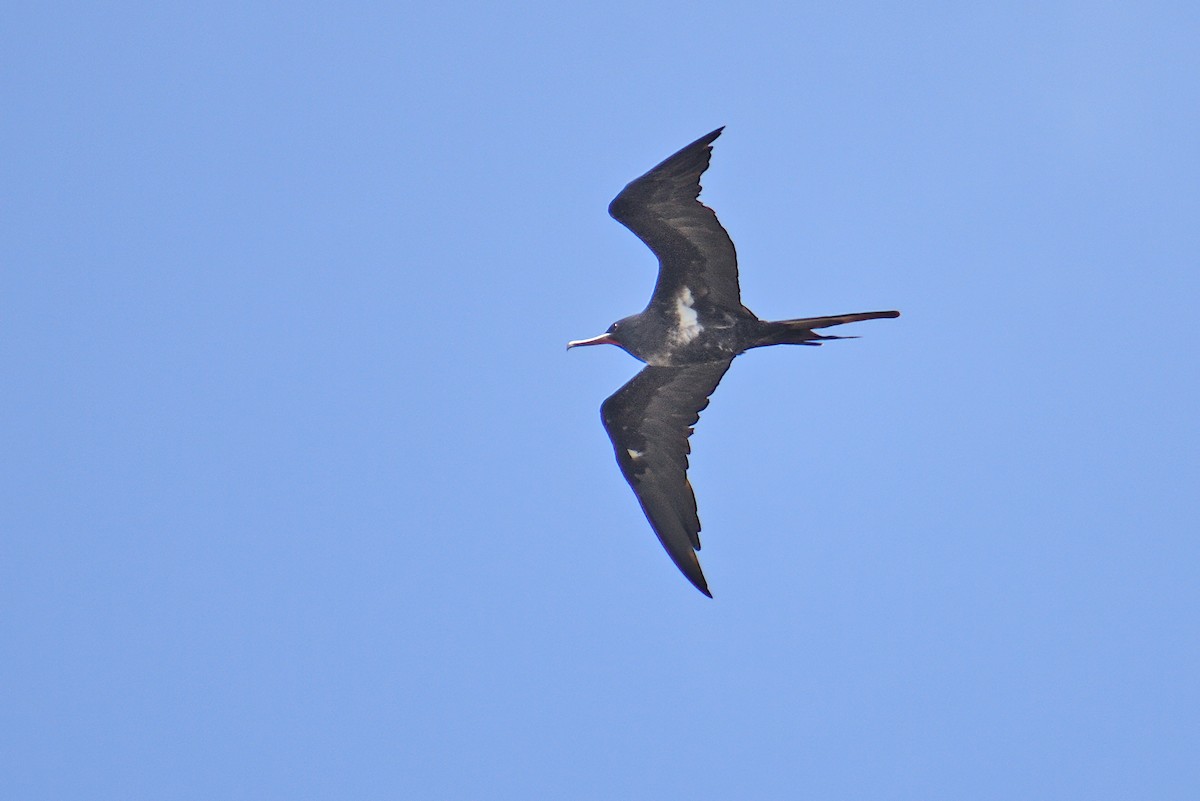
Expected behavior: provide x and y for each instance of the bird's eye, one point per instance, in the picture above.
(612, 329)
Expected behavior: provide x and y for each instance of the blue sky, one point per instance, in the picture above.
(303, 498)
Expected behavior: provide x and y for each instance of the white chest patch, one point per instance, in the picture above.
(689, 321)
(633, 454)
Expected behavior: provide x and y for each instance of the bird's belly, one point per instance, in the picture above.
(703, 349)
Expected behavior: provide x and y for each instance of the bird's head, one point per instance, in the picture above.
(609, 337)
(631, 334)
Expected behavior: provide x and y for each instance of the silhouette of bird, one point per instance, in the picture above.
(689, 333)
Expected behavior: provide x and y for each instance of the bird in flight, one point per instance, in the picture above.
(689, 333)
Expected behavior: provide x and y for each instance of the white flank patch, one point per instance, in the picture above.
(689, 322)
(633, 454)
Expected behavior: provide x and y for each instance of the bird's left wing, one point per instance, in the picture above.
(649, 421)
(694, 251)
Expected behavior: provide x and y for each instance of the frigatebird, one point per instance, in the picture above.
(689, 333)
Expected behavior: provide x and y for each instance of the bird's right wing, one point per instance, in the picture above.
(649, 421)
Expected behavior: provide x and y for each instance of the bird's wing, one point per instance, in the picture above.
(649, 421)
(694, 251)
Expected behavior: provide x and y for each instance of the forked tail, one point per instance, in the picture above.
(801, 331)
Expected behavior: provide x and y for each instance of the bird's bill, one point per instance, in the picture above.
(604, 339)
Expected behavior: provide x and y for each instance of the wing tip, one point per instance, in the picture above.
(689, 162)
(691, 571)
(705, 141)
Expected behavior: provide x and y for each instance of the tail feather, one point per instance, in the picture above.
(802, 331)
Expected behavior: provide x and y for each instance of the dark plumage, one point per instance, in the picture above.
(689, 333)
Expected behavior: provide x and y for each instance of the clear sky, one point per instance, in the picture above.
(303, 499)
